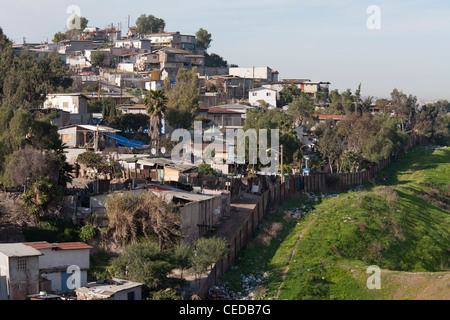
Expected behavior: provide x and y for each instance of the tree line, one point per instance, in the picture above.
(31, 152)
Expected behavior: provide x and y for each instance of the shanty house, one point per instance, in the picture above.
(113, 289)
(75, 136)
(19, 271)
(56, 258)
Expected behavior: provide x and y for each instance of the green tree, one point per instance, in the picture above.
(97, 58)
(348, 101)
(426, 124)
(336, 106)
(383, 104)
(207, 252)
(28, 80)
(203, 39)
(288, 94)
(40, 195)
(433, 122)
(301, 108)
(59, 36)
(149, 24)
(92, 160)
(292, 145)
(74, 33)
(156, 103)
(133, 123)
(331, 143)
(82, 20)
(183, 254)
(206, 169)
(144, 262)
(387, 140)
(182, 99)
(404, 107)
(213, 60)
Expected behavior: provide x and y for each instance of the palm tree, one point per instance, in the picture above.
(155, 101)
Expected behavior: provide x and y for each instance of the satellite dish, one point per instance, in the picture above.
(163, 150)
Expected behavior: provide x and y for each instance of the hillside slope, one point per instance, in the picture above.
(401, 224)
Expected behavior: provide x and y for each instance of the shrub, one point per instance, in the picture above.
(88, 233)
(167, 294)
(91, 159)
(206, 169)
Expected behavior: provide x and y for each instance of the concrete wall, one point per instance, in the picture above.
(123, 295)
(129, 67)
(55, 279)
(133, 44)
(72, 154)
(198, 217)
(263, 73)
(171, 174)
(3, 288)
(69, 138)
(80, 46)
(4, 271)
(64, 258)
(69, 103)
(22, 283)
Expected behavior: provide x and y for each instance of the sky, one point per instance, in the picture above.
(321, 40)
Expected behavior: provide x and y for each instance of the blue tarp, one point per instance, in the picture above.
(122, 141)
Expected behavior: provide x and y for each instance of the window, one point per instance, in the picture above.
(268, 94)
(255, 94)
(22, 264)
(65, 105)
(65, 137)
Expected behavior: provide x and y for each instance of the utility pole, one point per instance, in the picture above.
(99, 86)
(243, 88)
(96, 139)
(282, 170)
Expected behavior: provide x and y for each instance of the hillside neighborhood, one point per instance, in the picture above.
(102, 197)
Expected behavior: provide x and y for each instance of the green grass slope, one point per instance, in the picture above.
(401, 224)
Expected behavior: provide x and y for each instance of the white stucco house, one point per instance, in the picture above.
(31, 267)
(264, 94)
(75, 104)
(56, 258)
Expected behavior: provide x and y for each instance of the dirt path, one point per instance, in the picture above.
(283, 277)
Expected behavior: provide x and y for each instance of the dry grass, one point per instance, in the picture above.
(269, 231)
(389, 193)
(131, 216)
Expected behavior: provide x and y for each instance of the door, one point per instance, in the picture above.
(64, 277)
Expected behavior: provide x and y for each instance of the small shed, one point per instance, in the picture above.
(113, 289)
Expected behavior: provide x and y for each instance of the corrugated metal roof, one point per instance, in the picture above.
(18, 250)
(218, 110)
(60, 246)
(329, 116)
(153, 161)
